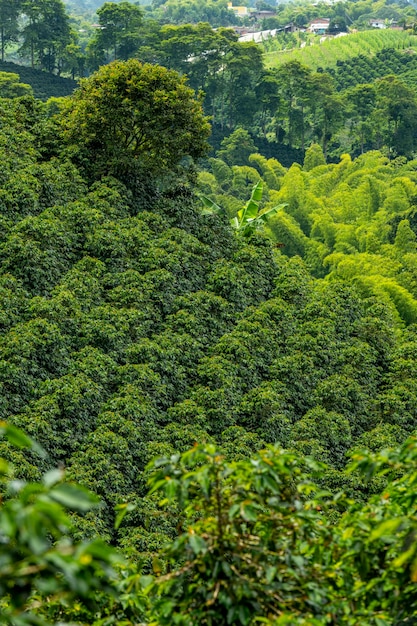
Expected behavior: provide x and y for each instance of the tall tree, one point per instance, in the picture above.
(46, 34)
(361, 102)
(236, 149)
(9, 13)
(199, 51)
(398, 104)
(232, 89)
(327, 106)
(297, 90)
(268, 99)
(131, 116)
(119, 29)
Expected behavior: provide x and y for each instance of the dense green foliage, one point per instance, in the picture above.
(285, 110)
(134, 324)
(131, 119)
(39, 559)
(119, 34)
(257, 544)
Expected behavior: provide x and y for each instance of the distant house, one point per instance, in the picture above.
(259, 15)
(239, 11)
(377, 23)
(319, 26)
(291, 28)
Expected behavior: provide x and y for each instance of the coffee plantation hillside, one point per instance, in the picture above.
(44, 85)
(332, 50)
(137, 323)
(131, 317)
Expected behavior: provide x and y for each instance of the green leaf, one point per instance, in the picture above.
(265, 215)
(404, 557)
(197, 544)
(74, 498)
(4, 467)
(257, 191)
(52, 477)
(385, 529)
(211, 207)
(100, 550)
(248, 512)
(250, 211)
(244, 615)
(234, 511)
(157, 565)
(298, 560)
(122, 509)
(146, 581)
(19, 439)
(270, 573)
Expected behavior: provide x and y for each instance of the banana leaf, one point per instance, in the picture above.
(211, 207)
(264, 217)
(250, 210)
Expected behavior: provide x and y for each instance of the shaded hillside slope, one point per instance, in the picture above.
(44, 84)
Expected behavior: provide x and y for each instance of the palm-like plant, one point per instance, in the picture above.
(248, 218)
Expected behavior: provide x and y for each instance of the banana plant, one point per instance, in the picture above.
(248, 218)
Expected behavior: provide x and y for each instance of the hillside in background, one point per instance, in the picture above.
(328, 53)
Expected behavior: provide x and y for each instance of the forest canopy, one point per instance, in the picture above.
(221, 346)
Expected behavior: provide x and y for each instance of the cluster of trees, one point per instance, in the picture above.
(118, 34)
(378, 115)
(342, 16)
(291, 106)
(216, 12)
(213, 60)
(349, 221)
(347, 14)
(42, 34)
(284, 109)
(48, 38)
(259, 540)
(41, 28)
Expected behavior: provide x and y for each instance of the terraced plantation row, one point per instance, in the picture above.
(331, 51)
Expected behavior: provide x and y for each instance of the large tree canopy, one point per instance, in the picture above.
(119, 30)
(46, 32)
(131, 117)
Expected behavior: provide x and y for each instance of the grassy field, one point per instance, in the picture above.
(327, 53)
